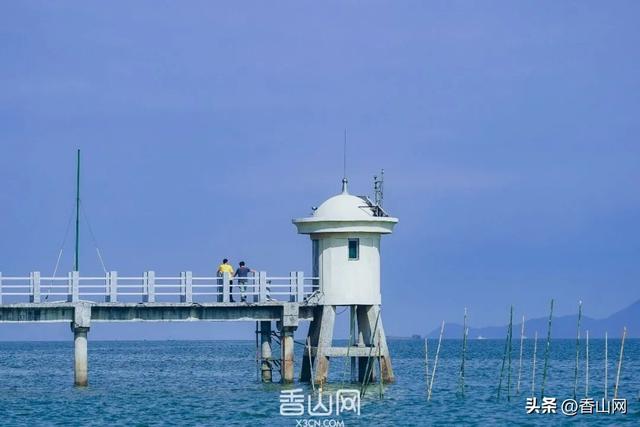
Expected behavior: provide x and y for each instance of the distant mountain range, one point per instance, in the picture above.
(561, 327)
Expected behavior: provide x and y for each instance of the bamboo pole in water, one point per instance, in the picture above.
(426, 361)
(380, 366)
(435, 362)
(258, 356)
(606, 364)
(520, 363)
(509, 370)
(533, 370)
(575, 371)
(615, 390)
(546, 352)
(504, 359)
(464, 351)
(313, 380)
(586, 366)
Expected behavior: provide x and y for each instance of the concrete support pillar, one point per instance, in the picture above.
(265, 341)
(80, 327)
(80, 357)
(287, 325)
(287, 353)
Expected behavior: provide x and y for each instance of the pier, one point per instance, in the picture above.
(79, 300)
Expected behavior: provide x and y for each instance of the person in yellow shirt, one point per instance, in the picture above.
(225, 267)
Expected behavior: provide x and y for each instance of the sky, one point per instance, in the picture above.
(507, 132)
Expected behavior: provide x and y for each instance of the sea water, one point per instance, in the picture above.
(145, 383)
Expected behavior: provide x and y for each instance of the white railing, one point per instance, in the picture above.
(151, 288)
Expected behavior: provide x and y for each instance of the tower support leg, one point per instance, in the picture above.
(353, 340)
(371, 334)
(364, 340)
(312, 339)
(265, 342)
(325, 340)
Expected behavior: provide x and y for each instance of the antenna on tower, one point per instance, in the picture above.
(344, 152)
(344, 163)
(378, 189)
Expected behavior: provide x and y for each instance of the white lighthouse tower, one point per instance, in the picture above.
(345, 233)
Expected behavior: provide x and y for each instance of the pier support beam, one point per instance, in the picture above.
(287, 325)
(80, 327)
(265, 341)
(287, 353)
(80, 357)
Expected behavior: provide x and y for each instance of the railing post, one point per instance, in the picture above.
(256, 287)
(70, 286)
(300, 280)
(293, 286)
(220, 287)
(183, 287)
(188, 290)
(35, 287)
(149, 286)
(225, 286)
(186, 287)
(112, 280)
(145, 287)
(74, 279)
(262, 283)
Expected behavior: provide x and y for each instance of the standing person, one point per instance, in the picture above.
(242, 272)
(225, 267)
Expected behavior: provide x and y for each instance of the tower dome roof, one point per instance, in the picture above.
(345, 213)
(344, 207)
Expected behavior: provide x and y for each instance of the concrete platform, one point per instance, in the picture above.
(289, 313)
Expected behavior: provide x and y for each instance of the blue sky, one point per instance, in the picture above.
(508, 133)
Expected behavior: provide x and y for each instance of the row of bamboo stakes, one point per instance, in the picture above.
(506, 359)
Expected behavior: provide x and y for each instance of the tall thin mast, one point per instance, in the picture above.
(76, 264)
(344, 164)
(344, 158)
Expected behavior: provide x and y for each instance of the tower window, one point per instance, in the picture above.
(315, 256)
(354, 249)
